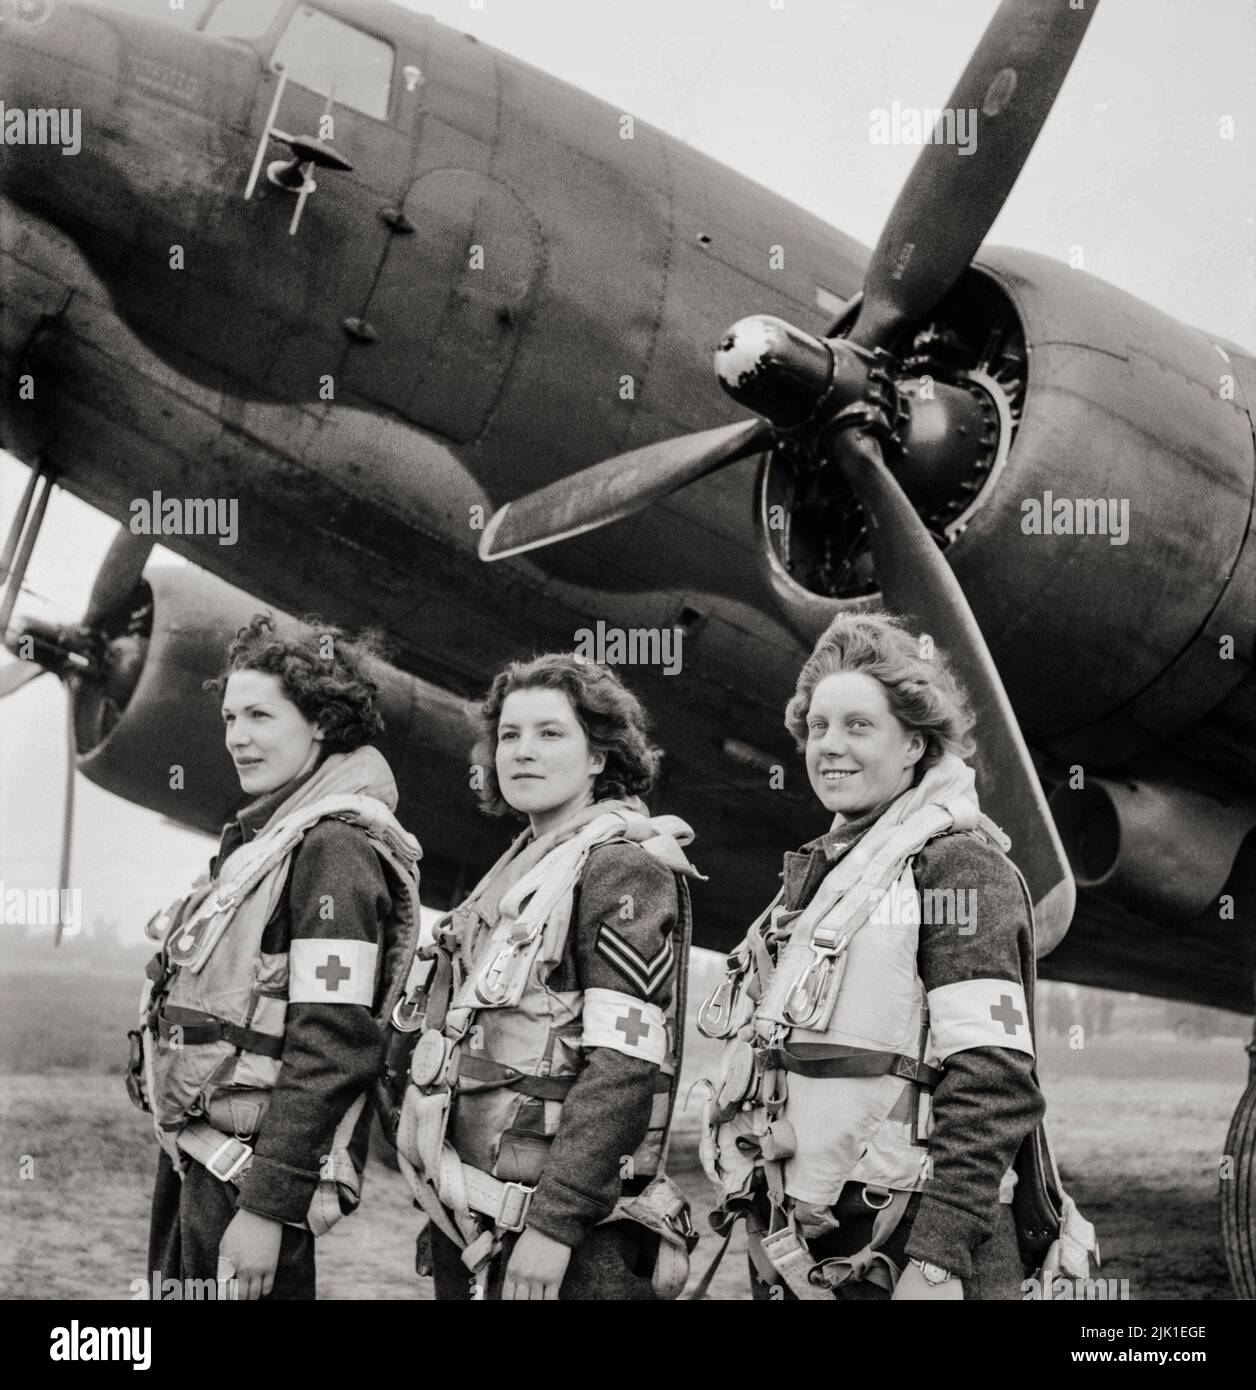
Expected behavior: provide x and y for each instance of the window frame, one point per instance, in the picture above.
(266, 44)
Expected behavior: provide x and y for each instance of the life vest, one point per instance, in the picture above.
(500, 1047)
(853, 1103)
(214, 1010)
(827, 1081)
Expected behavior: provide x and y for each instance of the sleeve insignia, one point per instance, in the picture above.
(647, 976)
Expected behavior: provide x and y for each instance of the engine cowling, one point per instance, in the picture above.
(152, 734)
(1106, 646)
(1158, 846)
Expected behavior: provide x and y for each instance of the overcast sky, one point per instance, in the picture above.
(1131, 167)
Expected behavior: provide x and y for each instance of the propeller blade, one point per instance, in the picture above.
(917, 584)
(119, 574)
(617, 487)
(17, 674)
(955, 191)
(67, 818)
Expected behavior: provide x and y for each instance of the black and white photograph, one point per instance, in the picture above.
(629, 660)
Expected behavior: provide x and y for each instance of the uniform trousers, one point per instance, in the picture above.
(191, 1216)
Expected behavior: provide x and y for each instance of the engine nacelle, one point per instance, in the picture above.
(1158, 847)
(156, 738)
(1107, 643)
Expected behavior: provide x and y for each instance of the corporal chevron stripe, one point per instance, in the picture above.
(647, 975)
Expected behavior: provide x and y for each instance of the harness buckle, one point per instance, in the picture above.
(806, 996)
(494, 986)
(719, 1009)
(242, 1154)
(513, 1210)
(408, 1012)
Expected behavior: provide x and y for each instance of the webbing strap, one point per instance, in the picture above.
(784, 1254)
(787, 1258)
(196, 1027)
(836, 1060)
(700, 1289)
(869, 1265)
(440, 989)
(493, 1075)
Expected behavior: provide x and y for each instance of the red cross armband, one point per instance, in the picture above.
(978, 1013)
(331, 970)
(624, 1023)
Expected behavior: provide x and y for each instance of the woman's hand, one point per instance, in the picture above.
(912, 1284)
(536, 1268)
(251, 1244)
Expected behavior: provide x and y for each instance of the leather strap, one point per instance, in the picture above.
(492, 1075)
(196, 1027)
(700, 1289)
(835, 1060)
(440, 989)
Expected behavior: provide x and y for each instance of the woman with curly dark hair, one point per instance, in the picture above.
(259, 1039)
(534, 1128)
(879, 1078)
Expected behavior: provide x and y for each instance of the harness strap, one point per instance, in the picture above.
(701, 1288)
(785, 1254)
(865, 1266)
(493, 1075)
(440, 989)
(835, 1060)
(228, 1157)
(223, 1155)
(197, 1027)
(869, 1264)
(497, 1075)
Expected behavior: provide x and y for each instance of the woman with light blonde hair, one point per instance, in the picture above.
(879, 1075)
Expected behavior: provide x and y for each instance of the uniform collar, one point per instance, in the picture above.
(252, 817)
(837, 841)
(805, 868)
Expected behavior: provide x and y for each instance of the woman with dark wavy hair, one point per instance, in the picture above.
(535, 1126)
(259, 1043)
(879, 1078)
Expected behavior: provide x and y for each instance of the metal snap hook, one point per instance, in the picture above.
(715, 1017)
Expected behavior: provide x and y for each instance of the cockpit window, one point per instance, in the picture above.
(334, 59)
(242, 19)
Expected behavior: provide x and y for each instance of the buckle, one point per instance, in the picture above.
(242, 1157)
(408, 1012)
(806, 996)
(512, 1210)
(885, 1192)
(717, 1016)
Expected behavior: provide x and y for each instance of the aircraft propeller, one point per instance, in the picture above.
(97, 659)
(839, 399)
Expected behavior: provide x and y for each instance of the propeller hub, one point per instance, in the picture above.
(64, 651)
(774, 369)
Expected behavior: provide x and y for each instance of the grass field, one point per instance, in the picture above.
(1138, 1121)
